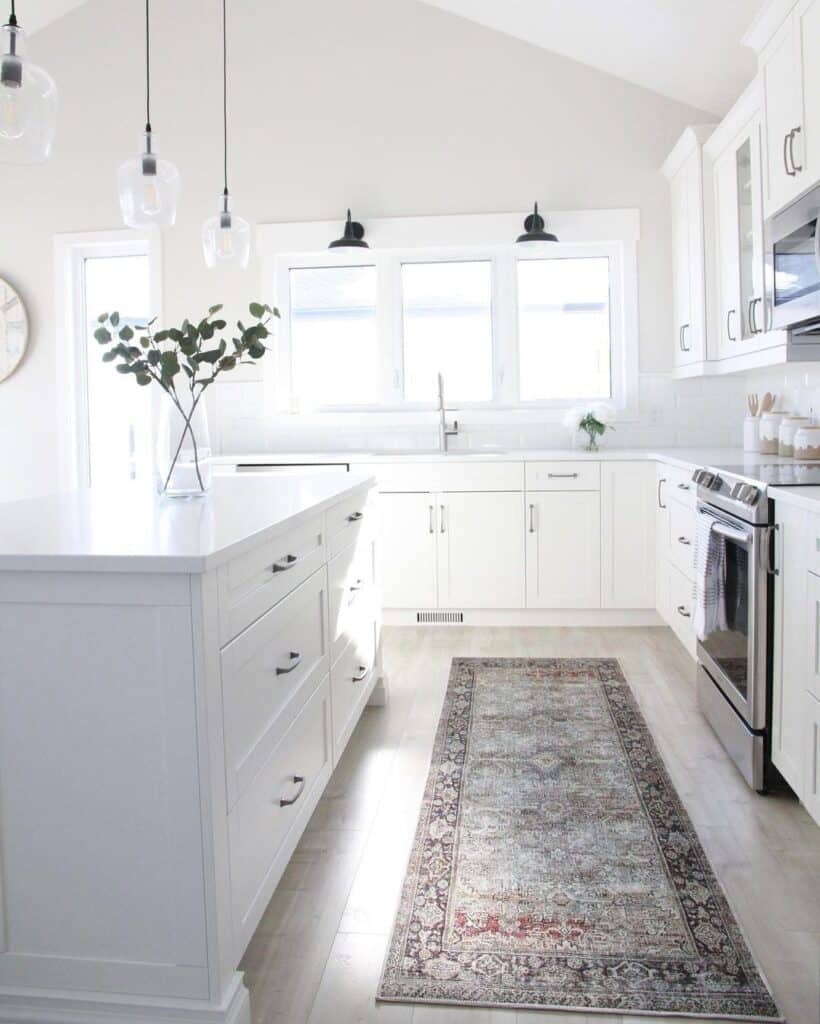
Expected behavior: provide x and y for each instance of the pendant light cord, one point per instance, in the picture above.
(147, 69)
(225, 93)
(13, 16)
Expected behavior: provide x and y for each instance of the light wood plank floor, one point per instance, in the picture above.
(317, 954)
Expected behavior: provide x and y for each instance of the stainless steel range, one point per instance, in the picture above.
(734, 605)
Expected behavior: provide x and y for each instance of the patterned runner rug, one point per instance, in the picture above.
(554, 865)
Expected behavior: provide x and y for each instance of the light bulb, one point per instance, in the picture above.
(224, 245)
(150, 203)
(11, 121)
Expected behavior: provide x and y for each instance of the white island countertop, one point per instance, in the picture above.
(132, 530)
(806, 498)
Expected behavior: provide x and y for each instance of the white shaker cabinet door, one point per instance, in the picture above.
(481, 550)
(628, 500)
(564, 549)
(808, 15)
(407, 555)
(781, 76)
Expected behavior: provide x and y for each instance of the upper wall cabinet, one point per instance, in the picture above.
(736, 296)
(786, 37)
(684, 171)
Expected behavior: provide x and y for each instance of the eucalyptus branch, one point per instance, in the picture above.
(167, 356)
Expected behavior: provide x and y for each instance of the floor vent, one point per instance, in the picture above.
(439, 618)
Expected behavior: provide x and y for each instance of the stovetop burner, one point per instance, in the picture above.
(775, 474)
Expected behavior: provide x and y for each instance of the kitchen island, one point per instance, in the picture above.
(177, 682)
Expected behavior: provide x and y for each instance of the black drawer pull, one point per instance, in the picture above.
(363, 670)
(287, 562)
(354, 517)
(295, 659)
(681, 610)
(300, 782)
(685, 541)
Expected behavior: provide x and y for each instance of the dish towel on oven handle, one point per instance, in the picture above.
(710, 579)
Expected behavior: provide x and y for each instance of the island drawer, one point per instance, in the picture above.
(254, 582)
(352, 593)
(682, 526)
(268, 672)
(682, 608)
(350, 519)
(265, 825)
(563, 476)
(351, 680)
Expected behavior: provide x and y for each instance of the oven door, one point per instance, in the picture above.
(733, 648)
(794, 239)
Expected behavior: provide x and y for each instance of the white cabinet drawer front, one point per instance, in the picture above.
(682, 538)
(813, 635)
(679, 486)
(350, 680)
(350, 519)
(267, 674)
(455, 475)
(563, 476)
(811, 762)
(274, 804)
(256, 581)
(682, 607)
(352, 589)
(813, 545)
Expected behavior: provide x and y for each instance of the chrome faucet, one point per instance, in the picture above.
(445, 430)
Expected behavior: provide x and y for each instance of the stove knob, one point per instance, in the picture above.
(715, 483)
(752, 495)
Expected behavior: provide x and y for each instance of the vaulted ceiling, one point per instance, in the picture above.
(688, 50)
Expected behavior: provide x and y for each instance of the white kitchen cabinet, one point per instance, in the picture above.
(684, 171)
(790, 79)
(408, 538)
(481, 550)
(662, 593)
(790, 648)
(564, 549)
(628, 494)
(811, 757)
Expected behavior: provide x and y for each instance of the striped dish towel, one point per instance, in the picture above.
(710, 579)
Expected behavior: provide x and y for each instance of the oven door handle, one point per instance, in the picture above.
(730, 534)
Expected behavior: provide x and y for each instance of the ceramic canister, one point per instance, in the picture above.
(789, 426)
(769, 431)
(807, 444)
(751, 434)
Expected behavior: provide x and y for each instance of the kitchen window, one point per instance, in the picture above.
(509, 327)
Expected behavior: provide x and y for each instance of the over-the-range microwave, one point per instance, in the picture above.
(793, 268)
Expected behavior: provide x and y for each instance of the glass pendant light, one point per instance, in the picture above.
(148, 186)
(534, 229)
(28, 101)
(226, 238)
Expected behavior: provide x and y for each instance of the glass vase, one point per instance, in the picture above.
(183, 464)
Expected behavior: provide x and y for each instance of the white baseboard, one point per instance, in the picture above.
(534, 617)
(35, 1007)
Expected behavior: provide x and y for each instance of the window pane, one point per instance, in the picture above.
(334, 337)
(448, 330)
(119, 412)
(563, 328)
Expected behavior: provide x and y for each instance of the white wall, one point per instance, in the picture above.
(389, 106)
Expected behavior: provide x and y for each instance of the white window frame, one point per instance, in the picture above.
(70, 253)
(610, 233)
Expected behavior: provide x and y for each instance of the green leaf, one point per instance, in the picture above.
(124, 368)
(175, 335)
(219, 325)
(109, 356)
(187, 347)
(153, 357)
(102, 335)
(102, 318)
(169, 366)
(256, 350)
(115, 319)
(189, 371)
(257, 310)
(206, 331)
(161, 335)
(144, 342)
(214, 309)
(228, 363)
(143, 379)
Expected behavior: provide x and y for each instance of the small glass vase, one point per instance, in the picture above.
(183, 464)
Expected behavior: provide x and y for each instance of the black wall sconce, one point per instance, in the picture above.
(353, 238)
(534, 229)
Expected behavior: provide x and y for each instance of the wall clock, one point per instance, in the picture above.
(13, 330)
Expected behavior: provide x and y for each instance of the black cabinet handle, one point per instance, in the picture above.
(661, 481)
(732, 337)
(300, 782)
(796, 168)
(685, 541)
(295, 659)
(286, 563)
(354, 517)
(786, 140)
(363, 670)
(683, 612)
